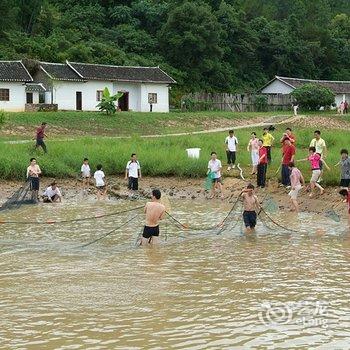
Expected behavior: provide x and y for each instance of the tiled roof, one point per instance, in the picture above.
(338, 87)
(60, 71)
(121, 73)
(14, 71)
(35, 87)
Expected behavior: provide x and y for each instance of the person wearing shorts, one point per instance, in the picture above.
(314, 159)
(250, 205)
(215, 167)
(154, 212)
(253, 148)
(296, 180)
(33, 173)
(40, 134)
(344, 169)
(99, 177)
(133, 173)
(52, 194)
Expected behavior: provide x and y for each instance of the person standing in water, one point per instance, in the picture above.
(33, 173)
(253, 148)
(40, 134)
(250, 205)
(231, 143)
(154, 211)
(296, 180)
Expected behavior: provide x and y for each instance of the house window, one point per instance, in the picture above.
(99, 94)
(152, 98)
(4, 94)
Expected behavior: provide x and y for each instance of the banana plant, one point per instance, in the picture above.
(108, 102)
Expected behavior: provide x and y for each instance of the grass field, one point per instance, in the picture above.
(158, 157)
(77, 124)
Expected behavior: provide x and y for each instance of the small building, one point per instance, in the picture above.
(79, 86)
(13, 79)
(284, 86)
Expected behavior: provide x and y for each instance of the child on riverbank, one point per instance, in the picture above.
(315, 160)
(133, 173)
(85, 174)
(253, 148)
(346, 196)
(250, 205)
(100, 179)
(344, 169)
(33, 173)
(215, 167)
(231, 143)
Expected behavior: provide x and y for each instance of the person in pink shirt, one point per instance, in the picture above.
(315, 161)
(296, 181)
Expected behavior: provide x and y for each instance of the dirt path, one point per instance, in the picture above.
(275, 120)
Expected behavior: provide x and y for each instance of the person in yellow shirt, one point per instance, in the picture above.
(268, 142)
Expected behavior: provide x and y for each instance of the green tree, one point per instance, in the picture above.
(313, 96)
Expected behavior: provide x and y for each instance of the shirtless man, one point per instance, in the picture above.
(154, 211)
(250, 205)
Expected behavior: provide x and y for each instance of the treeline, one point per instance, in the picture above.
(212, 45)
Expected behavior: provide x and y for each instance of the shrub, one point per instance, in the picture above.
(260, 103)
(313, 96)
(3, 118)
(108, 101)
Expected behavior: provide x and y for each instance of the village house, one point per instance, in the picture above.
(284, 86)
(79, 86)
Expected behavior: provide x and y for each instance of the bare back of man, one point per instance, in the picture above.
(155, 212)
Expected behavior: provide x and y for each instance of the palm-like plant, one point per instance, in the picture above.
(107, 103)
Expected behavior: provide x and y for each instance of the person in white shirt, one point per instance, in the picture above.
(133, 173)
(85, 174)
(231, 143)
(214, 169)
(52, 194)
(100, 179)
(320, 144)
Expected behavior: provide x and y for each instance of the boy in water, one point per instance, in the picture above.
(346, 196)
(155, 212)
(99, 177)
(250, 205)
(296, 180)
(345, 169)
(231, 143)
(52, 194)
(33, 173)
(85, 174)
(133, 173)
(215, 167)
(315, 160)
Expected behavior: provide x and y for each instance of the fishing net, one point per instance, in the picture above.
(22, 196)
(270, 205)
(208, 184)
(331, 214)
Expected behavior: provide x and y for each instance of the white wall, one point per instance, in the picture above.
(17, 97)
(162, 91)
(277, 87)
(342, 97)
(134, 90)
(64, 94)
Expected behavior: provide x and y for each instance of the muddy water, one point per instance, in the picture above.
(272, 290)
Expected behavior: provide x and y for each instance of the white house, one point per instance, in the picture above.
(79, 86)
(284, 86)
(13, 79)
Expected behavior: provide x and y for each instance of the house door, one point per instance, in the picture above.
(123, 102)
(29, 97)
(78, 100)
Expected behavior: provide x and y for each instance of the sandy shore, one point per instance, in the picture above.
(180, 188)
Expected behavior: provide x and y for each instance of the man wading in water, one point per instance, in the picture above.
(250, 205)
(155, 212)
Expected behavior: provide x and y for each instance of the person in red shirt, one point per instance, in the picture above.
(288, 154)
(262, 166)
(40, 134)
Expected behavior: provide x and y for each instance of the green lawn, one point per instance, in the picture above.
(158, 157)
(75, 124)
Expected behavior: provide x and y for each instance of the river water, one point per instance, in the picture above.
(197, 290)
